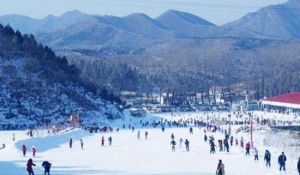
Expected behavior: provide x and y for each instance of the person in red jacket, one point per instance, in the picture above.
(248, 149)
(29, 167)
(33, 151)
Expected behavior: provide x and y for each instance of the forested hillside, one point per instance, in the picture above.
(37, 87)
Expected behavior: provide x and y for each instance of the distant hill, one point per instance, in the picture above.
(76, 30)
(276, 21)
(37, 87)
(137, 23)
(48, 24)
(186, 24)
(177, 49)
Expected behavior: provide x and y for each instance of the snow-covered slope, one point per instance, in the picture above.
(37, 87)
(129, 155)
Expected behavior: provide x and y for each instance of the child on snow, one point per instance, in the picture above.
(33, 151)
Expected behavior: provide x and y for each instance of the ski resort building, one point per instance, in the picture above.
(283, 103)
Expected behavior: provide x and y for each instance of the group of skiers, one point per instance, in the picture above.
(173, 143)
(24, 150)
(139, 134)
(46, 165)
(224, 144)
(82, 144)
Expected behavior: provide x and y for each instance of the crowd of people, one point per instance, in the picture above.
(209, 127)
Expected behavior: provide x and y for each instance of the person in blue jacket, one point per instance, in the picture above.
(281, 161)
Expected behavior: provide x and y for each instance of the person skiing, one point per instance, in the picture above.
(220, 142)
(102, 141)
(231, 141)
(267, 158)
(110, 140)
(29, 167)
(163, 128)
(146, 135)
(191, 130)
(205, 137)
(298, 166)
(226, 144)
(242, 142)
(31, 133)
(172, 136)
(255, 154)
(24, 150)
(81, 143)
(70, 143)
(173, 144)
(187, 145)
(14, 137)
(47, 166)
(212, 145)
(139, 134)
(281, 161)
(220, 168)
(180, 143)
(33, 151)
(248, 149)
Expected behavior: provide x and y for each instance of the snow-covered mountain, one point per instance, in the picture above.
(137, 23)
(276, 21)
(93, 35)
(186, 24)
(137, 32)
(76, 30)
(48, 24)
(37, 87)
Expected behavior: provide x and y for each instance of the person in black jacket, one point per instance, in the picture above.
(281, 161)
(71, 143)
(187, 145)
(173, 144)
(29, 167)
(47, 166)
(267, 158)
(298, 166)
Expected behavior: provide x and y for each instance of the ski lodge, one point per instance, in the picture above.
(283, 103)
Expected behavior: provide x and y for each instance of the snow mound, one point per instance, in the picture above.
(53, 141)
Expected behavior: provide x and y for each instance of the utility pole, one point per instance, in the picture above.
(251, 130)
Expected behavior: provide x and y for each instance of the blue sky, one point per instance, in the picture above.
(216, 11)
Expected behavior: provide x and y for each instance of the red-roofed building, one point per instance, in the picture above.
(290, 102)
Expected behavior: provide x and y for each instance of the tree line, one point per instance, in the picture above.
(263, 70)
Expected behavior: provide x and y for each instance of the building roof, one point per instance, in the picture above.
(286, 100)
(293, 98)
